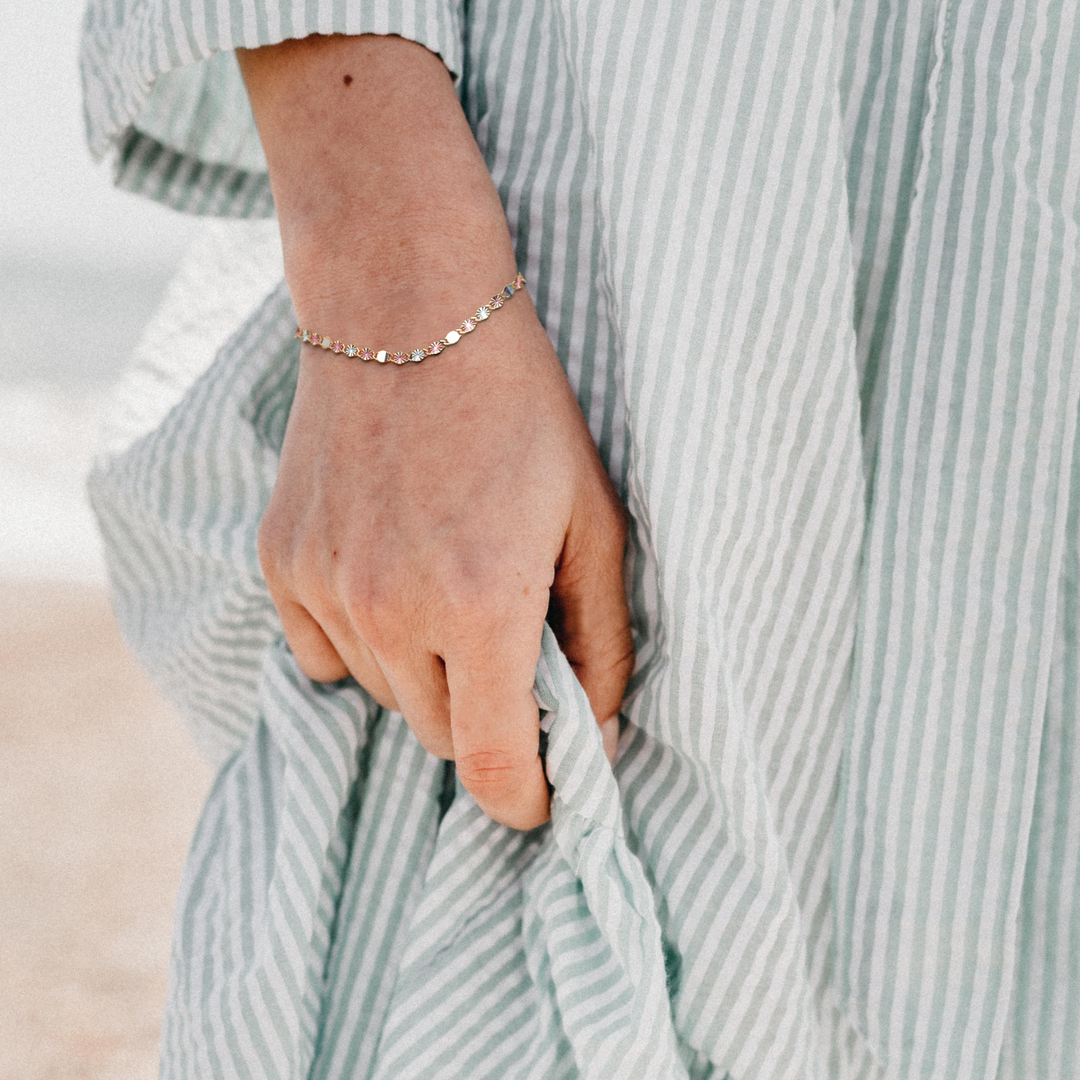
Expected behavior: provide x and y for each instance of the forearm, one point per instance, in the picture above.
(389, 218)
(424, 516)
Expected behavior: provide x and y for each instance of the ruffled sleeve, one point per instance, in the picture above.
(164, 97)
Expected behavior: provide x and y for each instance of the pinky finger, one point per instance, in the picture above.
(314, 652)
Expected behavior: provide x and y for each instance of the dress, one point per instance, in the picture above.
(811, 267)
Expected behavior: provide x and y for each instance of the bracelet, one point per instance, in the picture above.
(452, 337)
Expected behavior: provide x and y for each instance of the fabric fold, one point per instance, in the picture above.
(812, 271)
(163, 94)
(979, 385)
(627, 1029)
(270, 898)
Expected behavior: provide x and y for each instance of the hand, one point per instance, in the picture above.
(426, 517)
(422, 520)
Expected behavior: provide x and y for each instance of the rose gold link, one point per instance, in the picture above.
(467, 327)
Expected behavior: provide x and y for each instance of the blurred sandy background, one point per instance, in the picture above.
(99, 783)
(99, 791)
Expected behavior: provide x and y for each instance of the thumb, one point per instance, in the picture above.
(588, 609)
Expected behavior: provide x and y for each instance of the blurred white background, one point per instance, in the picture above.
(100, 785)
(82, 266)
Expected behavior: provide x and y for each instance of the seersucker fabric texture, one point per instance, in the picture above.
(812, 269)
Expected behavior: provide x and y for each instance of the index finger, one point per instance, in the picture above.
(495, 727)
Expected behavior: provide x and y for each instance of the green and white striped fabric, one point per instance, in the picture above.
(812, 269)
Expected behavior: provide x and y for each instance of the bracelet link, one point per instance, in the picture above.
(452, 337)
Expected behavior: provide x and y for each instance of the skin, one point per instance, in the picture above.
(426, 519)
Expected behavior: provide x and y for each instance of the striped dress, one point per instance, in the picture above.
(812, 269)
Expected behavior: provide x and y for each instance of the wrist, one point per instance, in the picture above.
(383, 197)
(392, 280)
(384, 279)
(468, 384)
(433, 344)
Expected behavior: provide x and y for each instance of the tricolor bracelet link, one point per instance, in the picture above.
(452, 337)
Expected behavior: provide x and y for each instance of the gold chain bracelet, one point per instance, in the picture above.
(452, 337)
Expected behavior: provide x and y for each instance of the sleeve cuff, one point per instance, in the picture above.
(163, 94)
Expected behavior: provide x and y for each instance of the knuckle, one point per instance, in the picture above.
(359, 598)
(473, 598)
(466, 589)
(491, 774)
(375, 633)
(615, 651)
(370, 607)
(605, 669)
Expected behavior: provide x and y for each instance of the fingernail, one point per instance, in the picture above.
(609, 732)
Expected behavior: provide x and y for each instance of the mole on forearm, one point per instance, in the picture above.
(347, 80)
